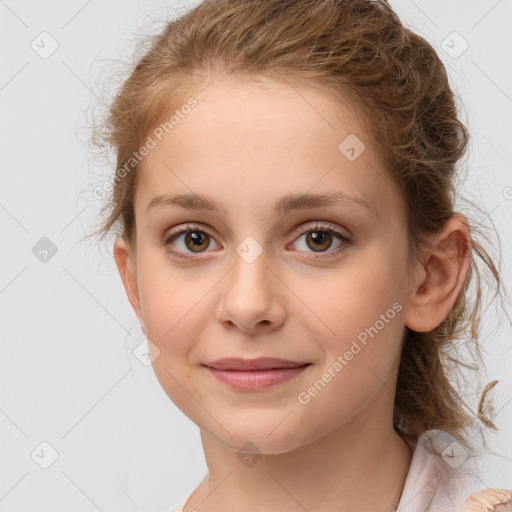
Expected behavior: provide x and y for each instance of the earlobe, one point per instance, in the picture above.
(443, 274)
(126, 267)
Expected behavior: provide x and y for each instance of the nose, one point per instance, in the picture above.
(252, 297)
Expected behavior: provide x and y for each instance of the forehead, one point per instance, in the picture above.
(249, 143)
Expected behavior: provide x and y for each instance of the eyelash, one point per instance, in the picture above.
(191, 228)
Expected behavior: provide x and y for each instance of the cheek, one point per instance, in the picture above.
(362, 321)
(358, 359)
(353, 297)
(169, 307)
(170, 299)
(169, 314)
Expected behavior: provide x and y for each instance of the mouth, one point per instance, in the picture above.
(255, 374)
(261, 363)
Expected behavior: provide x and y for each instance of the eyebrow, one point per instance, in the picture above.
(282, 206)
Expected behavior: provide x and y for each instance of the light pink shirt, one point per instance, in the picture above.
(442, 477)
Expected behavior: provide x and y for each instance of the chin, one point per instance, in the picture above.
(255, 439)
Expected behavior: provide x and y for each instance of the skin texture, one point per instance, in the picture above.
(245, 147)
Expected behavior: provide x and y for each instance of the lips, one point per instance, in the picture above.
(254, 375)
(262, 363)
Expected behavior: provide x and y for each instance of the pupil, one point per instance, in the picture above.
(319, 239)
(197, 240)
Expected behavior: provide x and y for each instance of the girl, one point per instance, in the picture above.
(288, 241)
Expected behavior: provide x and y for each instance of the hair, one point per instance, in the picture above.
(394, 78)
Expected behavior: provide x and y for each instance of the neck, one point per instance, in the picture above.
(359, 466)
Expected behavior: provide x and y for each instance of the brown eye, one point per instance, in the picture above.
(196, 241)
(182, 244)
(322, 238)
(319, 240)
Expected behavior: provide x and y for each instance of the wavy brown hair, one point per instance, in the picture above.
(394, 78)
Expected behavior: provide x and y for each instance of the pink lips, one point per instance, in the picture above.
(254, 374)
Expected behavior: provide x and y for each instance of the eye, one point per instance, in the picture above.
(320, 237)
(195, 240)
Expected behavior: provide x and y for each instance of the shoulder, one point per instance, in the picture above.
(445, 477)
(488, 499)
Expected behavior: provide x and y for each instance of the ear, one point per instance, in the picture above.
(441, 277)
(124, 257)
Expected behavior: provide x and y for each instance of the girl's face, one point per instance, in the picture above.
(259, 275)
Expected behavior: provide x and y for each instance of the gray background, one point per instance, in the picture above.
(68, 374)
